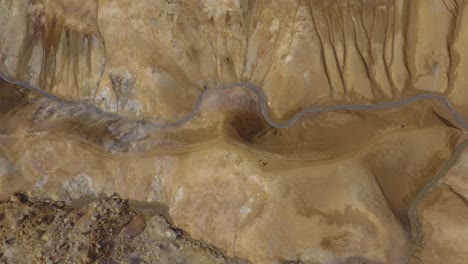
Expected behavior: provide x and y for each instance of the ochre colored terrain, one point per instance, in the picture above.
(236, 131)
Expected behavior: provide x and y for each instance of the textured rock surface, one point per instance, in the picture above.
(54, 44)
(104, 230)
(262, 194)
(159, 54)
(444, 213)
(336, 187)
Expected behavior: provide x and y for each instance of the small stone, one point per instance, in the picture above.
(134, 228)
(169, 234)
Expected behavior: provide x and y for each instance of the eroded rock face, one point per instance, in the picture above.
(102, 230)
(267, 195)
(444, 212)
(354, 184)
(160, 54)
(53, 44)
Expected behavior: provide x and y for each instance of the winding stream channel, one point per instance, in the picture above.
(263, 108)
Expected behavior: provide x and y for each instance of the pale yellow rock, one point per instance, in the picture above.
(429, 29)
(300, 200)
(459, 58)
(154, 57)
(335, 187)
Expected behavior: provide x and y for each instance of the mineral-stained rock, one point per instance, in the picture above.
(54, 44)
(358, 162)
(444, 212)
(41, 231)
(331, 204)
(155, 56)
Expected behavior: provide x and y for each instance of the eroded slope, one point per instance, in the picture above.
(263, 194)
